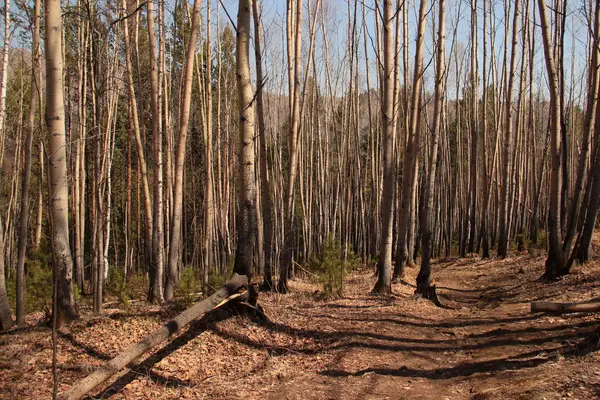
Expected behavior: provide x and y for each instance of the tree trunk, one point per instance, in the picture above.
(156, 275)
(265, 187)
(588, 127)
(142, 167)
(555, 263)
(58, 189)
(412, 145)
(24, 213)
(4, 78)
(286, 253)
(507, 142)
(184, 118)
(384, 264)
(6, 321)
(246, 224)
(423, 279)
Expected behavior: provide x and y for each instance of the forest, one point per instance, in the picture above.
(300, 199)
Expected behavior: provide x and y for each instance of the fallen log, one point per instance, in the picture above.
(222, 296)
(564, 308)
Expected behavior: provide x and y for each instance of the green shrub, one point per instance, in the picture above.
(331, 267)
(216, 279)
(523, 241)
(542, 239)
(117, 286)
(38, 288)
(189, 283)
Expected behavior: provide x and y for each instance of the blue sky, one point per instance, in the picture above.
(336, 17)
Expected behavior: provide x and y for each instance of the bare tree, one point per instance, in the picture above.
(246, 180)
(24, 217)
(157, 270)
(409, 167)
(504, 223)
(6, 321)
(423, 279)
(184, 118)
(555, 263)
(265, 188)
(58, 189)
(285, 261)
(384, 264)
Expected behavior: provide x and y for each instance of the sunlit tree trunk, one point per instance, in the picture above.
(4, 77)
(384, 264)
(156, 274)
(209, 213)
(504, 223)
(57, 161)
(286, 253)
(184, 118)
(265, 188)
(246, 180)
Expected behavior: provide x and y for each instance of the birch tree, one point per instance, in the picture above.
(58, 191)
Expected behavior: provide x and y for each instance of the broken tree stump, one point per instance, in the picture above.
(564, 308)
(220, 297)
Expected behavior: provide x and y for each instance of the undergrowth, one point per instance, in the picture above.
(331, 266)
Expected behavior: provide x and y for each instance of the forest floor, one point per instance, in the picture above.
(482, 344)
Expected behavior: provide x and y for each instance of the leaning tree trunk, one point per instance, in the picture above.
(246, 181)
(588, 127)
(588, 218)
(555, 263)
(58, 189)
(184, 119)
(142, 166)
(384, 264)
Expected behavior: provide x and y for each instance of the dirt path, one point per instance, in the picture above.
(483, 344)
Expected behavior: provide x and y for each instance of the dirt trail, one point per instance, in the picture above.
(483, 344)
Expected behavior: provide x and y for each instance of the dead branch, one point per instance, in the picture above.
(564, 308)
(83, 386)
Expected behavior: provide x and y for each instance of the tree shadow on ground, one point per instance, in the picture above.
(145, 367)
(346, 340)
(530, 359)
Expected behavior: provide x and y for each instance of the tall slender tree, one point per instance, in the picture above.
(157, 270)
(384, 264)
(265, 187)
(184, 118)
(423, 279)
(58, 189)
(285, 262)
(244, 252)
(556, 261)
(25, 182)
